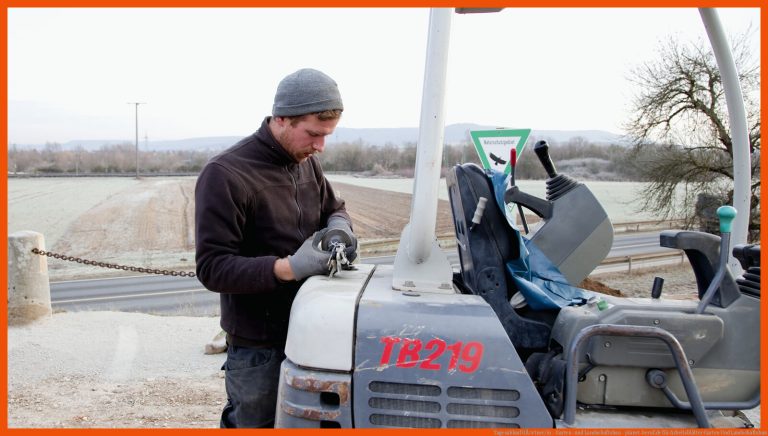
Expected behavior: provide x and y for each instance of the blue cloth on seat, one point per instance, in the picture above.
(536, 277)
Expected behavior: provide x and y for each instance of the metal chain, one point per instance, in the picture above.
(164, 272)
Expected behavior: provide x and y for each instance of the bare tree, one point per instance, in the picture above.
(682, 142)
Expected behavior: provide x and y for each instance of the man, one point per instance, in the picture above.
(260, 210)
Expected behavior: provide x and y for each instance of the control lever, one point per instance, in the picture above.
(513, 194)
(541, 148)
(557, 184)
(562, 184)
(658, 283)
(725, 214)
(512, 163)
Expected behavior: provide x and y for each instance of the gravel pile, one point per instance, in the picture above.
(679, 282)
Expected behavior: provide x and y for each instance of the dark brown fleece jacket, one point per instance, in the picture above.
(254, 204)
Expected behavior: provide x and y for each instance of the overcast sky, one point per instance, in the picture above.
(213, 72)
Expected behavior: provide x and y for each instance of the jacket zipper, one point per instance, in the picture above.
(298, 206)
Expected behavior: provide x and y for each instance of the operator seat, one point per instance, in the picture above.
(484, 250)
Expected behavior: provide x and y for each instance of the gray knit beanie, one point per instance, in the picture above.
(304, 92)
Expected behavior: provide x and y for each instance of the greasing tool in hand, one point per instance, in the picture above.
(335, 241)
(338, 259)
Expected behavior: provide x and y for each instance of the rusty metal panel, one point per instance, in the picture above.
(313, 399)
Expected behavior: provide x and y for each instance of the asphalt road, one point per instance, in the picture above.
(187, 296)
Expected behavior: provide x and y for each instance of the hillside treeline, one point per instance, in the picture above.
(577, 158)
(109, 159)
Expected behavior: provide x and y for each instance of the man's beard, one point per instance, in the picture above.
(286, 143)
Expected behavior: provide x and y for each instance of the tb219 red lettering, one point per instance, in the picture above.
(429, 355)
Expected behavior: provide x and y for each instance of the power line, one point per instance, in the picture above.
(136, 104)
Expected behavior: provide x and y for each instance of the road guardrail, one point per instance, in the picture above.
(448, 240)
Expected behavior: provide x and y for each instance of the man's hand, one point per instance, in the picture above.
(309, 260)
(336, 225)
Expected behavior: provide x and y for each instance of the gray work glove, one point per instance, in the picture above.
(309, 259)
(340, 230)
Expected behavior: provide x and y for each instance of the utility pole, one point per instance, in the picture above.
(136, 104)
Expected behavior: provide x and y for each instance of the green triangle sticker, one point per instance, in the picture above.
(494, 146)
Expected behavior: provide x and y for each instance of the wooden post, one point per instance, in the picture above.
(29, 290)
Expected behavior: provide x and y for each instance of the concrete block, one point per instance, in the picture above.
(29, 289)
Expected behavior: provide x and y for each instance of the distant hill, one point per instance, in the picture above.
(454, 134)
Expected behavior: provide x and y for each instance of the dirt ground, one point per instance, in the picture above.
(158, 403)
(114, 369)
(379, 214)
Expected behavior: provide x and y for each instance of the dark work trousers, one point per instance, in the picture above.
(251, 379)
